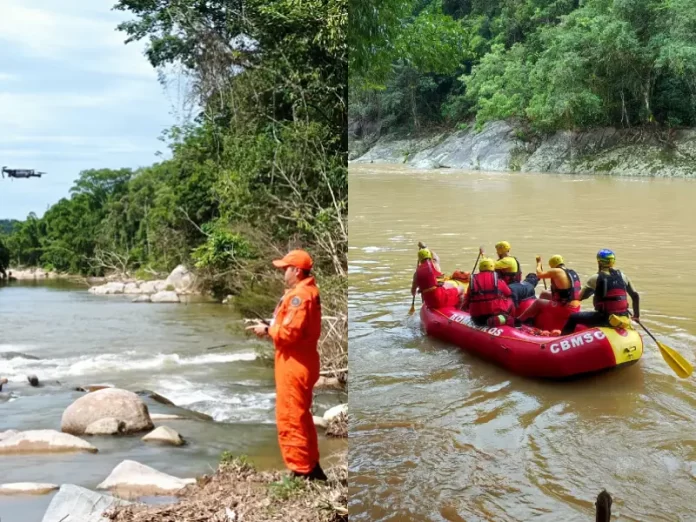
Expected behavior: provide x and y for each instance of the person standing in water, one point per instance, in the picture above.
(295, 331)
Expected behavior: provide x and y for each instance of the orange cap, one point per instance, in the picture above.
(297, 258)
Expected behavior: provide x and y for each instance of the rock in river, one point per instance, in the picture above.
(166, 435)
(76, 504)
(43, 441)
(131, 479)
(114, 403)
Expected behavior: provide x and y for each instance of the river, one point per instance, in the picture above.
(85, 339)
(437, 434)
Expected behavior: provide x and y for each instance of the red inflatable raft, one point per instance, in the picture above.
(589, 351)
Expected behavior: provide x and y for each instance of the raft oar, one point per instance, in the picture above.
(542, 269)
(413, 301)
(679, 365)
(413, 306)
(477, 260)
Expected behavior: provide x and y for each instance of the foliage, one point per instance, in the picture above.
(286, 487)
(4, 257)
(558, 64)
(262, 168)
(7, 225)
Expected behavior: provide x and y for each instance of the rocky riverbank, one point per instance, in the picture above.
(504, 146)
(235, 490)
(181, 282)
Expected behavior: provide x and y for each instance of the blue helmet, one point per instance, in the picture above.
(606, 257)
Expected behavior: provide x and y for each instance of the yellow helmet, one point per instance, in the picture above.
(503, 247)
(507, 264)
(423, 254)
(486, 265)
(556, 261)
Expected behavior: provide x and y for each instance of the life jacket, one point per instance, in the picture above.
(610, 293)
(427, 281)
(565, 296)
(485, 298)
(458, 275)
(512, 277)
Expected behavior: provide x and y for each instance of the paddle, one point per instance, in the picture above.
(412, 310)
(413, 301)
(679, 365)
(477, 260)
(541, 267)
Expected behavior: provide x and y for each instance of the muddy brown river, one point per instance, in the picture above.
(438, 434)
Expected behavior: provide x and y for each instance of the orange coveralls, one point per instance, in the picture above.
(295, 331)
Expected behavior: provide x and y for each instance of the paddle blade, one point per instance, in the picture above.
(412, 310)
(681, 366)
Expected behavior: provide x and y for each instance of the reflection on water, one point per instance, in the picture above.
(438, 434)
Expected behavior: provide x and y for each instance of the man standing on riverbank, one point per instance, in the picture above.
(295, 332)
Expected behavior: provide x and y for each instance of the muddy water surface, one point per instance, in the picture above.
(438, 434)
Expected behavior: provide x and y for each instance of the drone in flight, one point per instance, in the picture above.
(21, 173)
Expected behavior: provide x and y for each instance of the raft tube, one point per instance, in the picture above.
(589, 351)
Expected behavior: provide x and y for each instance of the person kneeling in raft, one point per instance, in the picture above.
(430, 282)
(507, 267)
(552, 309)
(488, 298)
(611, 289)
(524, 294)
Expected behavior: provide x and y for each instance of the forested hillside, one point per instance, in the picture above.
(261, 169)
(551, 64)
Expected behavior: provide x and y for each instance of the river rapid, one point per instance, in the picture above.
(438, 434)
(83, 339)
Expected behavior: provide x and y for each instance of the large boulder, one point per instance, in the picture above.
(43, 441)
(166, 435)
(181, 279)
(122, 405)
(131, 479)
(76, 504)
(26, 488)
(165, 297)
(145, 298)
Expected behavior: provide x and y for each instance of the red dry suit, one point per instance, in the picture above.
(433, 293)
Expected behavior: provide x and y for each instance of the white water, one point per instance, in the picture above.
(82, 339)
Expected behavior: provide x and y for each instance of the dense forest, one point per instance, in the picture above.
(549, 64)
(261, 169)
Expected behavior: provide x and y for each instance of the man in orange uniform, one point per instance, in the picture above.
(295, 332)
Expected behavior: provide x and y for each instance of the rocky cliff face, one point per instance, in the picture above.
(500, 147)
